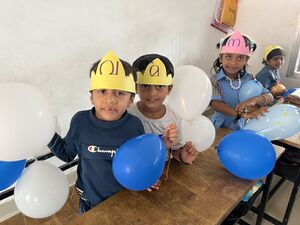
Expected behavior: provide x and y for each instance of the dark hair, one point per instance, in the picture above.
(273, 53)
(143, 61)
(127, 67)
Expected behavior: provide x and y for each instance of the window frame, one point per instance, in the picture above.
(294, 61)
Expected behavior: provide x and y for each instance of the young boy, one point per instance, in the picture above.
(269, 75)
(154, 82)
(96, 134)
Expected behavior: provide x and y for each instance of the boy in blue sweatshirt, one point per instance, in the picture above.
(96, 134)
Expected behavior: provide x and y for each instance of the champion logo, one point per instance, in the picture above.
(94, 149)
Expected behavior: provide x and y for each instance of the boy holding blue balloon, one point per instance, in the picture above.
(154, 83)
(96, 134)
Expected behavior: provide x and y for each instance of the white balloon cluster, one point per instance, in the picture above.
(27, 125)
(189, 98)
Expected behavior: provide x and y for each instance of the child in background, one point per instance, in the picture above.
(96, 134)
(269, 75)
(154, 82)
(231, 74)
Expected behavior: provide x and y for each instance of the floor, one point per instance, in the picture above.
(277, 206)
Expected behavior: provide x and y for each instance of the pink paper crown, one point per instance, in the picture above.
(235, 44)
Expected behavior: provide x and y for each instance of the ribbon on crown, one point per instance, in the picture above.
(155, 74)
(110, 74)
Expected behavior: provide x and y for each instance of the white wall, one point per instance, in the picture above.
(270, 22)
(52, 44)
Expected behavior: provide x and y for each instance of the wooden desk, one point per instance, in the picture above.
(293, 141)
(203, 193)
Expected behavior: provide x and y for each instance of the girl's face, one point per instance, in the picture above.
(233, 63)
(276, 62)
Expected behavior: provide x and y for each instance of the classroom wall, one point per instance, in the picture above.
(52, 44)
(271, 22)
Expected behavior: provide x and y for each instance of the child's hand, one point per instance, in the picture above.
(255, 114)
(155, 186)
(170, 135)
(242, 105)
(293, 99)
(189, 153)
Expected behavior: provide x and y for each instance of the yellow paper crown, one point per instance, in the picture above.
(110, 74)
(155, 74)
(270, 48)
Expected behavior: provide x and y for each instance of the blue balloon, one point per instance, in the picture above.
(247, 154)
(10, 172)
(139, 162)
(281, 121)
(250, 89)
(288, 92)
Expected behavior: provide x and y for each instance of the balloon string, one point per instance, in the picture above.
(24, 219)
(169, 162)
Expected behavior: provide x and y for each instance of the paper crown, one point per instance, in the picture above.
(155, 74)
(235, 44)
(110, 74)
(270, 48)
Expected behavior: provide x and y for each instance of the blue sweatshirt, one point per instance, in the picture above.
(95, 142)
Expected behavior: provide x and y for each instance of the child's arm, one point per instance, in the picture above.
(260, 101)
(293, 99)
(221, 107)
(63, 148)
(186, 154)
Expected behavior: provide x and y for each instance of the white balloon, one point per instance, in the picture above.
(27, 122)
(42, 190)
(191, 92)
(201, 132)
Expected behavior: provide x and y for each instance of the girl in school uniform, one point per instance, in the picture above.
(230, 75)
(269, 75)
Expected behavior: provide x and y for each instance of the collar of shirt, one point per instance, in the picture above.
(106, 124)
(221, 75)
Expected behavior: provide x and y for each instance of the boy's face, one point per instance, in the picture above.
(153, 96)
(233, 62)
(276, 62)
(110, 104)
